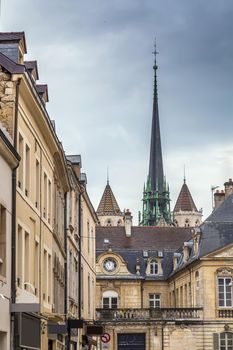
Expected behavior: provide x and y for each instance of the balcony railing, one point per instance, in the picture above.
(225, 313)
(171, 314)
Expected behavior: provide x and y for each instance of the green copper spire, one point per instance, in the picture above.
(156, 196)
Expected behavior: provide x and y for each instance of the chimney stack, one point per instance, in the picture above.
(228, 188)
(128, 222)
(219, 197)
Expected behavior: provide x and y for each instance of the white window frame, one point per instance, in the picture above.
(154, 266)
(154, 298)
(224, 343)
(224, 291)
(110, 295)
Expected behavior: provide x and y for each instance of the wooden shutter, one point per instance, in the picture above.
(216, 341)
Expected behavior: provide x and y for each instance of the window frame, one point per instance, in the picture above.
(224, 292)
(226, 345)
(154, 298)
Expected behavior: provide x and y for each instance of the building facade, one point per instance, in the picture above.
(38, 270)
(167, 288)
(9, 160)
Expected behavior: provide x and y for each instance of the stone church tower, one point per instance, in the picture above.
(156, 197)
(185, 212)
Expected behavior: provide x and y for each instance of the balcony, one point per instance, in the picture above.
(225, 313)
(158, 314)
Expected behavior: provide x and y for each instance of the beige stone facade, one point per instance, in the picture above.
(188, 309)
(8, 161)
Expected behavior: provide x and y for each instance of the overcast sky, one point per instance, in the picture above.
(96, 57)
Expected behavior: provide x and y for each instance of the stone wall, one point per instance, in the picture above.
(7, 101)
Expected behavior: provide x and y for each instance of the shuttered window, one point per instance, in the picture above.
(226, 341)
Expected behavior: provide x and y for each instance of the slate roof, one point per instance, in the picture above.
(133, 257)
(13, 36)
(108, 204)
(143, 237)
(217, 229)
(185, 201)
(10, 65)
(75, 159)
(30, 66)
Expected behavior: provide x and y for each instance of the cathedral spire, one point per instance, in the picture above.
(156, 175)
(156, 201)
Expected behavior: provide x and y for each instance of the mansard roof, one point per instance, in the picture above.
(185, 201)
(108, 204)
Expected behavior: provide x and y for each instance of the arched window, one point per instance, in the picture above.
(226, 341)
(110, 299)
(197, 287)
(186, 224)
(176, 223)
(153, 267)
(197, 223)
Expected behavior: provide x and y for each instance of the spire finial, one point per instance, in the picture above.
(107, 175)
(184, 175)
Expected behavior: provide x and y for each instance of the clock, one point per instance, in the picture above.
(110, 264)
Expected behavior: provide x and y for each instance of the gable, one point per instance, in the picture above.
(226, 252)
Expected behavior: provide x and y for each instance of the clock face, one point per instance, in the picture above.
(110, 264)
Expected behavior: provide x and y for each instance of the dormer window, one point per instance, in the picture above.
(154, 267)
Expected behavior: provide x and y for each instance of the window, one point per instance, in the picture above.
(49, 201)
(2, 241)
(154, 300)
(226, 341)
(27, 171)
(45, 196)
(153, 267)
(225, 291)
(37, 184)
(186, 224)
(26, 260)
(110, 300)
(20, 169)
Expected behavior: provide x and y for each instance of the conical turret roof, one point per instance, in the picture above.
(185, 201)
(108, 204)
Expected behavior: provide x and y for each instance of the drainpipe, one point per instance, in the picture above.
(13, 219)
(66, 266)
(79, 257)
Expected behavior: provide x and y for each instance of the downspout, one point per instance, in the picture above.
(79, 257)
(66, 266)
(13, 220)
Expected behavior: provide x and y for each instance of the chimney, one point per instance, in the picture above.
(76, 164)
(228, 188)
(219, 197)
(186, 251)
(128, 222)
(176, 257)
